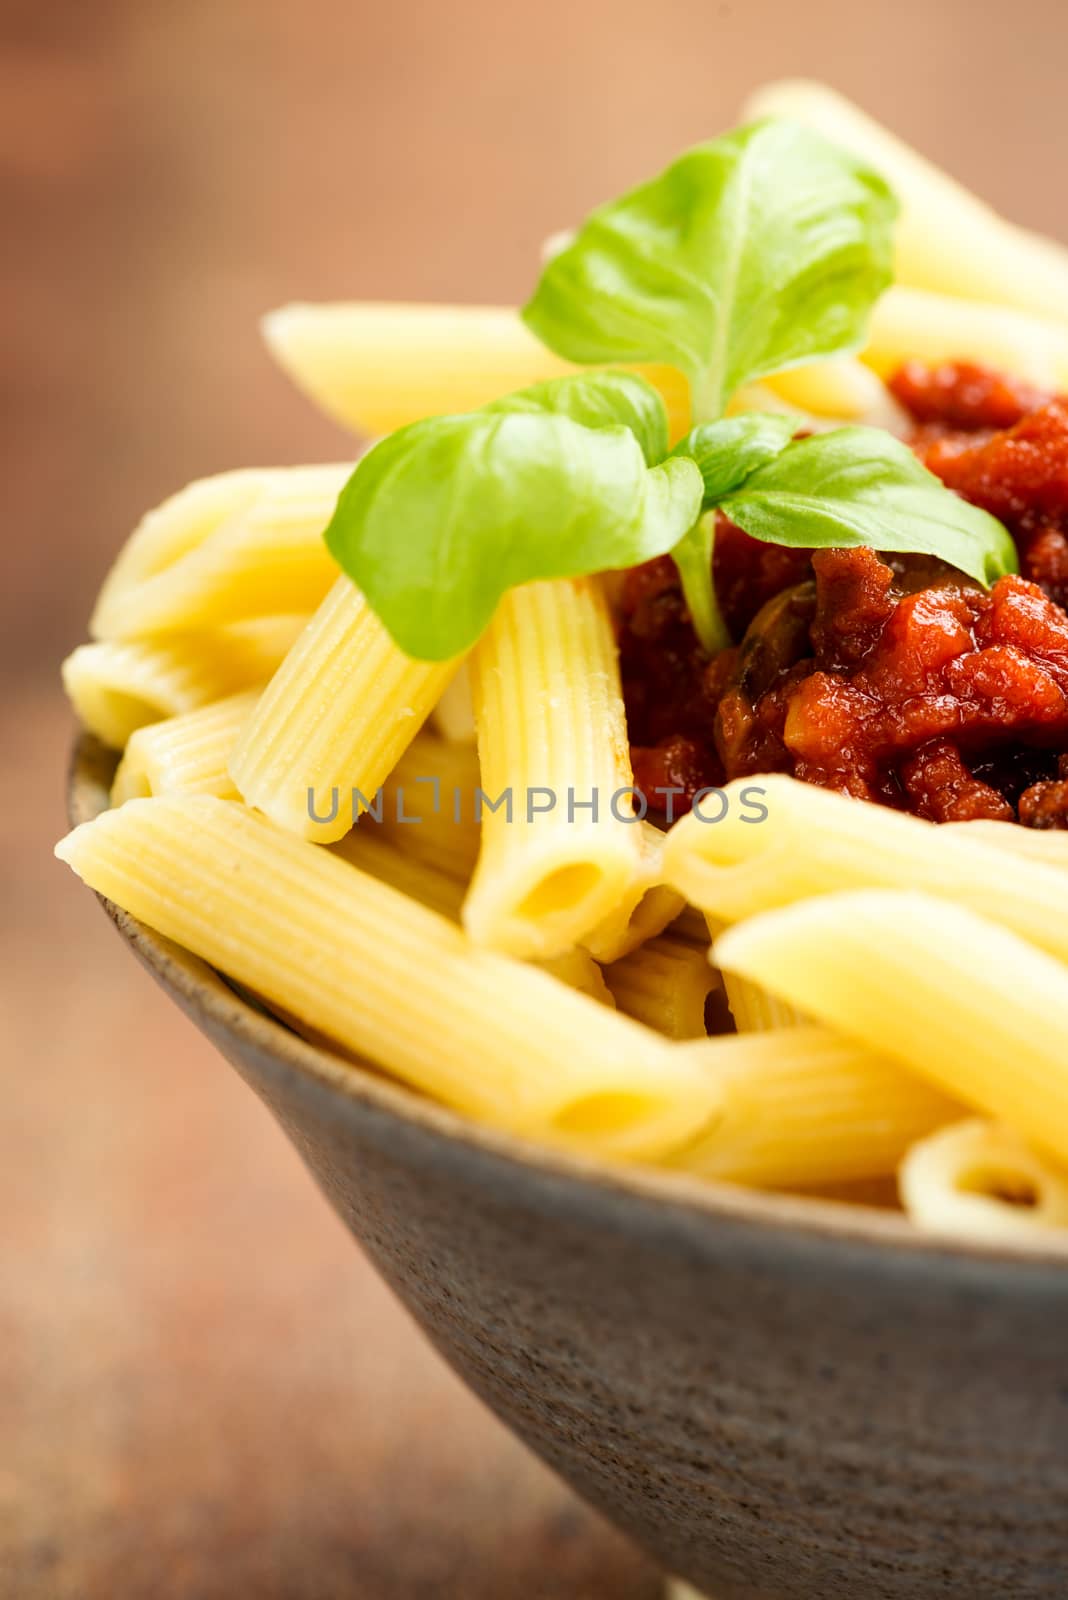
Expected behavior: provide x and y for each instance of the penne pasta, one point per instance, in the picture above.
(374, 367)
(334, 719)
(1049, 846)
(842, 388)
(920, 325)
(946, 238)
(980, 1180)
(117, 687)
(806, 1107)
(336, 948)
(454, 715)
(952, 996)
(665, 984)
(812, 841)
(246, 544)
(755, 1010)
(646, 907)
(428, 806)
(558, 853)
(187, 754)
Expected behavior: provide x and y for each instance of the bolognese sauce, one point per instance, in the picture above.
(891, 678)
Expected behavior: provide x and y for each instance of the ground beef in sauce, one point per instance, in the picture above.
(893, 679)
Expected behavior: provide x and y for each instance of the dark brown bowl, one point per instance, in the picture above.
(782, 1399)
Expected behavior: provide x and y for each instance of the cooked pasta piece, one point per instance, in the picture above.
(952, 996)
(980, 1180)
(454, 715)
(552, 736)
(946, 237)
(187, 754)
(116, 687)
(645, 908)
(335, 947)
(841, 387)
(812, 841)
(1046, 845)
(246, 544)
(755, 1010)
(920, 325)
(376, 366)
(334, 719)
(428, 804)
(665, 984)
(805, 1107)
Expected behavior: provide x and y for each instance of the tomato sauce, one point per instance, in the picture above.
(892, 678)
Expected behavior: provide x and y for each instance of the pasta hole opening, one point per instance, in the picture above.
(135, 786)
(1004, 1184)
(561, 890)
(608, 1113)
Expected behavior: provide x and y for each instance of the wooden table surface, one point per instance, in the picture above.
(204, 1390)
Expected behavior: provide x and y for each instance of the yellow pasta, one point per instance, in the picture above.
(428, 804)
(806, 1107)
(188, 754)
(552, 736)
(980, 1180)
(755, 1010)
(246, 544)
(334, 719)
(454, 715)
(646, 906)
(920, 325)
(1046, 845)
(842, 388)
(812, 841)
(665, 984)
(336, 948)
(376, 366)
(946, 238)
(959, 1000)
(116, 687)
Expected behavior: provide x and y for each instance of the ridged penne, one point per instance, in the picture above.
(920, 325)
(428, 804)
(646, 907)
(979, 1180)
(245, 544)
(755, 1010)
(841, 387)
(454, 715)
(665, 984)
(812, 840)
(552, 736)
(1048, 846)
(188, 754)
(117, 687)
(946, 238)
(376, 366)
(334, 719)
(337, 948)
(952, 996)
(806, 1107)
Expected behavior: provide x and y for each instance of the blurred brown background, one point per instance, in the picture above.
(203, 1389)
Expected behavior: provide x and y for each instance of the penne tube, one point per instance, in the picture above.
(188, 754)
(116, 688)
(960, 1001)
(841, 387)
(812, 841)
(920, 325)
(646, 907)
(979, 1180)
(334, 719)
(454, 715)
(755, 1010)
(1046, 845)
(946, 238)
(375, 366)
(805, 1108)
(558, 853)
(665, 984)
(365, 848)
(246, 544)
(428, 806)
(336, 948)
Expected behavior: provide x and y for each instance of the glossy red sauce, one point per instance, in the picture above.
(896, 680)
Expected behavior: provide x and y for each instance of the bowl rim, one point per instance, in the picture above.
(207, 993)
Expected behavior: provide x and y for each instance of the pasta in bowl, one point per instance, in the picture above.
(414, 790)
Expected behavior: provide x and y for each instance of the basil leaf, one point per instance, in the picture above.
(758, 251)
(729, 450)
(439, 519)
(600, 400)
(860, 486)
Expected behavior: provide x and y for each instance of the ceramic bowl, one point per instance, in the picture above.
(781, 1399)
